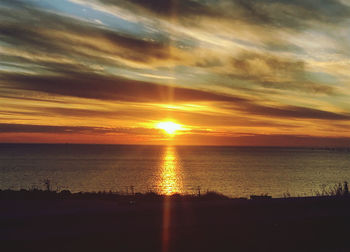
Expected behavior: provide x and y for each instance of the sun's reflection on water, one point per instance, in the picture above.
(170, 182)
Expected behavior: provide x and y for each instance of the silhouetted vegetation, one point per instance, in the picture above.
(77, 221)
(337, 190)
(103, 195)
(340, 190)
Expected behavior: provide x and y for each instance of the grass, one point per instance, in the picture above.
(339, 190)
(103, 195)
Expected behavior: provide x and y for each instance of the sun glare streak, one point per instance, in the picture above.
(170, 183)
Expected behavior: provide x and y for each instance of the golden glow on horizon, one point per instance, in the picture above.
(169, 127)
(170, 179)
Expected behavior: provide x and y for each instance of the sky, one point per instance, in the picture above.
(230, 72)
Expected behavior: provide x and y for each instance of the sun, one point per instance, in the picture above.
(169, 127)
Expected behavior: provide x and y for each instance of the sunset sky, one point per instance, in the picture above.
(229, 72)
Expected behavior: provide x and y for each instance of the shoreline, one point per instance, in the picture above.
(336, 191)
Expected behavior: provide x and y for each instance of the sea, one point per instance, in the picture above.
(233, 171)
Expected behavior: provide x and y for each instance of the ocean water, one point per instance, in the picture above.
(234, 171)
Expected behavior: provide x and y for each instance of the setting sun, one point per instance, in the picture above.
(169, 127)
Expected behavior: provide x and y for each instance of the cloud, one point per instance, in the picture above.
(293, 112)
(110, 88)
(60, 44)
(79, 134)
(271, 140)
(267, 70)
(191, 118)
(265, 66)
(39, 32)
(166, 8)
(297, 14)
(31, 128)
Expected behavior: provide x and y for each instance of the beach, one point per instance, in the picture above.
(175, 224)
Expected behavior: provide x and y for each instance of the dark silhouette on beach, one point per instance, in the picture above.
(45, 220)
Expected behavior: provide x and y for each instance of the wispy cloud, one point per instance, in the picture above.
(110, 88)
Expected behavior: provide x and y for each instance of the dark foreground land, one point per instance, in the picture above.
(174, 224)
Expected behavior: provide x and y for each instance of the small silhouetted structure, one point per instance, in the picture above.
(47, 184)
(199, 191)
(346, 189)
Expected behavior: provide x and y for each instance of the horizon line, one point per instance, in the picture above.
(189, 145)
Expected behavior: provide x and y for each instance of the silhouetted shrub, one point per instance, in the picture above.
(212, 195)
(338, 190)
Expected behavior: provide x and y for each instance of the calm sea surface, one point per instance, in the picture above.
(234, 171)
